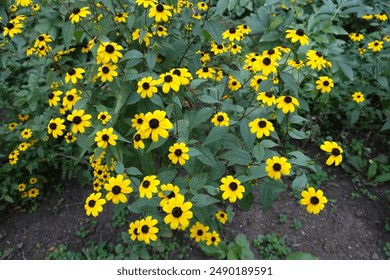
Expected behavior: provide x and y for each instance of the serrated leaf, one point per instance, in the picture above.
(217, 133)
(203, 200)
(240, 157)
(214, 29)
(268, 192)
(299, 182)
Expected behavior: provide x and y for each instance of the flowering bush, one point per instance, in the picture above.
(181, 111)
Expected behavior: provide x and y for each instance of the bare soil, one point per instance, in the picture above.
(346, 229)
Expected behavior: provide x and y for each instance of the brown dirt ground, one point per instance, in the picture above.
(346, 229)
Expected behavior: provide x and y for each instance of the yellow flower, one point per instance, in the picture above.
(356, 37)
(222, 217)
(136, 35)
(205, 73)
(108, 51)
(12, 28)
(56, 127)
(335, 150)
(178, 153)
(220, 119)
(232, 189)
(325, 84)
(232, 34)
(260, 127)
(148, 186)
(26, 133)
(79, 120)
(107, 72)
(106, 137)
(155, 124)
(117, 187)
(382, 16)
(147, 230)
(121, 17)
(198, 231)
(313, 200)
(78, 14)
(178, 212)
(160, 12)
(94, 204)
(358, 97)
(276, 166)
(297, 35)
(73, 74)
(375, 46)
(212, 238)
(287, 103)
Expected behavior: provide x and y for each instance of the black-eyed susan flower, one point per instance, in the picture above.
(107, 72)
(274, 53)
(233, 84)
(368, 17)
(375, 46)
(324, 84)
(256, 81)
(136, 35)
(202, 6)
(12, 126)
(297, 35)
(287, 103)
(42, 40)
(335, 150)
(33, 180)
(168, 82)
(183, 74)
(80, 120)
(117, 187)
(232, 34)
(155, 125)
(198, 231)
(104, 117)
(361, 51)
(26, 133)
(97, 185)
(23, 117)
(160, 12)
(356, 37)
(35, 7)
(137, 121)
(276, 166)
(54, 97)
(204, 57)
(358, 97)
(13, 154)
(121, 17)
(205, 73)
(74, 74)
(147, 230)
(218, 75)
(218, 48)
(296, 63)
(222, 217)
(78, 14)
(24, 146)
(178, 212)
(313, 200)
(161, 31)
(22, 187)
(315, 60)
(196, 15)
(212, 238)
(167, 192)
(260, 127)
(244, 29)
(13, 8)
(94, 204)
(137, 141)
(234, 48)
(178, 153)
(106, 137)
(56, 127)
(265, 64)
(232, 189)
(220, 119)
(108, 51)
(147, 87)
(70, 138)
(381, 16)
(12, 28)
(134, 230)
(148, 186)
(33, 192)
(386, 38)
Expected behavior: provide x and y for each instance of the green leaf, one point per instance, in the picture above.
(386, 126)
(268, 144)
(248, 137)
(372, 169)
(382, 178)
(134, 171)
(268, 192)
(300, 159)
(217, 133)
(201, 116)
(299, 182)
(290, 82)
(122, 96)
(119, 168)
(132, 54)
(246, 202)
(221, 7)
(67, 32)
(203, 200)
(8, 199)
(212, 251)
(258, 152)
(297, 134)
(214, 29)
(300, 256)
(197, 182)
(206, 156)
(166, 176)
(240, 157)
(355, 116)
(151, 60)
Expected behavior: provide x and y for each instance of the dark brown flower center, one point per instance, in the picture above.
(220, 47)
(105, 137)
(110, 48)
(268, 94)
(233, 186)
(213, 239)
(326, 83)
(41, 38)
(116, 189)
(335, 152)
(71, 71)
(319, 54)
(70, 97)
(140, 121)
(220, 118)
(146, 184)
(154, 123)
(199, 232)
(205, 69)
(222, 215)
(145, 229)
(232, 30)
(277, 167)
(300, 32)
(119, 15)
(103, 117)
(105, 69)
(177, 212)
(287, 99)
(267, 61)
(91, 203)
(77, 120)
(51, 95)
(171, 195)
(53, 126)
(314, 200)
(168, 79)
(262, 124)
(160, 8)
(271, 52)
(137, 137)
(178, 152)
(76, 11)
(177, 72)
(160, 28)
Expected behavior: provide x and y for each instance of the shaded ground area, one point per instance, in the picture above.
(346, 229)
